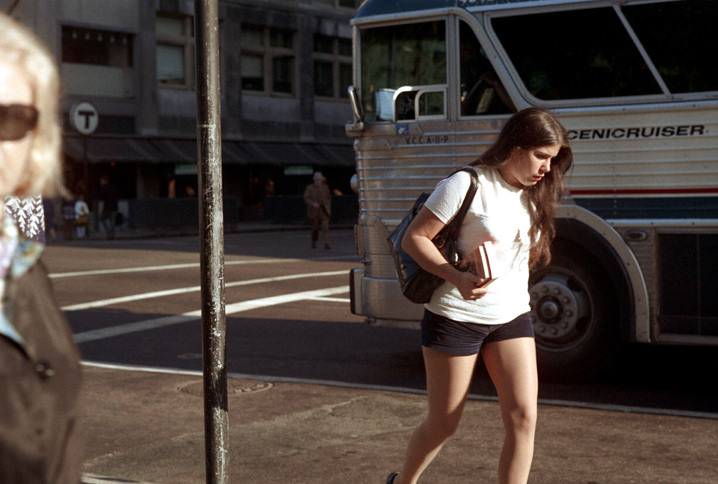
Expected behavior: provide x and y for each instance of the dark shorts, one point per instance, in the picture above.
(461, 339)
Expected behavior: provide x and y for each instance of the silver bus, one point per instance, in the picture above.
(636, 85)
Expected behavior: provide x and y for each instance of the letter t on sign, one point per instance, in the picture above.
(84, 117)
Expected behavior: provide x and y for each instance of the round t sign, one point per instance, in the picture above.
(84, 117)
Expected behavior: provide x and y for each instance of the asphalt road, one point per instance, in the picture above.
(136, 302)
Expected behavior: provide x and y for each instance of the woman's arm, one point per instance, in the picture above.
(417, 242)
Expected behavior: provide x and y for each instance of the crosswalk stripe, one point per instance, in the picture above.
(183, 290)
(234, 308)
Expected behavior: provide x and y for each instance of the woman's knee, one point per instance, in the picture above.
(522, 419)
(442, 427)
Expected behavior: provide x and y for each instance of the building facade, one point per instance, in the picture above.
(285, 66)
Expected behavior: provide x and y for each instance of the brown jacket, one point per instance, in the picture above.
(318, 192)
(40, 380)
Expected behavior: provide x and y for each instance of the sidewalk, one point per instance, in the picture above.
(148, 427)
(124, 233)
(242, 227)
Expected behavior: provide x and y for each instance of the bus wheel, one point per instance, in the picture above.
(573, 320)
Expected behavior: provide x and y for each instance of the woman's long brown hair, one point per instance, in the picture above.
(528, 129)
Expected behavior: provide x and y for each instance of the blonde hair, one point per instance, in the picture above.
(43, 173)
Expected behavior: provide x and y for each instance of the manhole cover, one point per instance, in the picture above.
(233, 387)
(247, 386)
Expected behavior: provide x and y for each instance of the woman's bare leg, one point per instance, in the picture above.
(447, 383)
(512, 366)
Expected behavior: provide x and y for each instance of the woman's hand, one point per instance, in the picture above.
(469, 285)
(418, 244)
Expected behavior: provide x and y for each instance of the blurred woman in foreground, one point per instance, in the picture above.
(39, 363)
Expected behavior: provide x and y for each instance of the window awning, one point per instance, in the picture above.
(109, 149)
(173, 150)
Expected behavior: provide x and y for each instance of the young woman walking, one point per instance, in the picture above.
(520, 181)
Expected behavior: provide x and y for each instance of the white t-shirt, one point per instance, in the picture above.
(498, 213)
(81, 208)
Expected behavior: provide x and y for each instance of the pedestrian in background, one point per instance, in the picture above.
(48, 206)
(68, 217)
(82, 216)
(319, 207)
(108, 215)
(520, 182)
(40, 371)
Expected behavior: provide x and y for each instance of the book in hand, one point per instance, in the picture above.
(482, 262)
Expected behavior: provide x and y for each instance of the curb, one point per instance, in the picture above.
(95, 479)
(132, 234)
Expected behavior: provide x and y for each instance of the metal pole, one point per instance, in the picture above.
(211, 222)
(85, 169)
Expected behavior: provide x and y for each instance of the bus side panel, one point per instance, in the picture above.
(658, 150)
(395, 163)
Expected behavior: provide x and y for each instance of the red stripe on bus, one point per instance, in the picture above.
(638, 191)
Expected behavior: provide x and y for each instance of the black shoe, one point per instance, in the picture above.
(390, 477)
(326, 246)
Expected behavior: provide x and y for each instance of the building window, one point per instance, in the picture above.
(268, 60)
(90, 54)
(332, 66)
(175, 50)
(97, 47)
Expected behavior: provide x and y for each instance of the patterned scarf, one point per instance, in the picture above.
(29, 216)
(17, 256)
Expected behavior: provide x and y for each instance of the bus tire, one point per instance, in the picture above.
(575, 317)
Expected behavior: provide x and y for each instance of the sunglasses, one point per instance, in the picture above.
(16, 121)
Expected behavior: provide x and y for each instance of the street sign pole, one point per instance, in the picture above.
(84, 118)
(85, 170)
(211, 223)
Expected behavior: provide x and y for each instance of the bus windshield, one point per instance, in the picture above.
(397, 56)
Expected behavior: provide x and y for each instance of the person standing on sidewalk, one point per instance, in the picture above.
(48, 206)
(40, 373)
(108, 215)
(319, 207)
(520, 182)
(68, 217)
(82, 216)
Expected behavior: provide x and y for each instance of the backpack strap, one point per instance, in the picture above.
(455, 223)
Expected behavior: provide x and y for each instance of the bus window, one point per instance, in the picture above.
(397, 56)
(480, 89)
(575, 54)
(681, 40)
(431, 104)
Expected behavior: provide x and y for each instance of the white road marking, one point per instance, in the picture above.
(189, 265)
(184, 290)
(414, 391)
(109, 332)
(282, 299)
(95, 479)
(332, 299)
